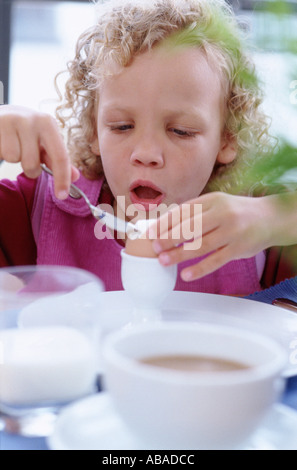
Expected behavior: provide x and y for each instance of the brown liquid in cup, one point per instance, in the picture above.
(188, 363)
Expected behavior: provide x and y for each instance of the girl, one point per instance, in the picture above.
(161, 107)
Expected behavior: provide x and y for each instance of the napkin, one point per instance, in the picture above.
(286, 289)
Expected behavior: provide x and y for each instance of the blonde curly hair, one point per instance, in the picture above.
(129, 27)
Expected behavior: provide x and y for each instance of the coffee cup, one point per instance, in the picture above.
(214, 406)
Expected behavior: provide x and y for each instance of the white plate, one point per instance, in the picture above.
(276, 322)
(114, 310)
(92, 424)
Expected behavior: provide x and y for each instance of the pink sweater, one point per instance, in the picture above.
(45, 230)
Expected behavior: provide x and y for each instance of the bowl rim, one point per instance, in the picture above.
(273, 368)
(86, 276)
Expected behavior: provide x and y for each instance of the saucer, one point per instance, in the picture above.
(93, 424)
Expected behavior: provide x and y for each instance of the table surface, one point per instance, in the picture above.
(12, 442)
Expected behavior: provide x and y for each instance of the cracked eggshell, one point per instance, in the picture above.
(141, 246)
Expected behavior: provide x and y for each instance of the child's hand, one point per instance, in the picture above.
(233, 227)
(30, 137)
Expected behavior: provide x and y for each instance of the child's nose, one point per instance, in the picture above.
(148, 155)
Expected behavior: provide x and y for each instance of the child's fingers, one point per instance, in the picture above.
(186, 231)
(165, 223)
(10, 149)
(208, 265)
(30, 156)
(178, 255)
(193, 249)
(56, 156)
(193, 228)
(29, 137)
(75, 174)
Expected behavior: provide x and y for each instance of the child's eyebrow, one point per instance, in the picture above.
(195, 114)
(113, 108)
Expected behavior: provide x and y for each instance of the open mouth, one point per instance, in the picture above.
(146, 194)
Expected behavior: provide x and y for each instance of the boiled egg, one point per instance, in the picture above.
(141, 245)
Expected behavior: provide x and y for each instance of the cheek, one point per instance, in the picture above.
(104, 143)
(112, 172)
(199, 165)
(193, 174)
(111, 150)
(109, 155)
(114, 169)
(204, 156)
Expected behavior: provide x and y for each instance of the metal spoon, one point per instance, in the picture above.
(286, 303)
(109, 220)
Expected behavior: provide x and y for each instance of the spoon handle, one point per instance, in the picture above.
(286, 303)
(109, 220)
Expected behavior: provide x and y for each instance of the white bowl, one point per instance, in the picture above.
(186, 410)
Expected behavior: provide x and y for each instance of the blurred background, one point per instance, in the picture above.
(37, 38)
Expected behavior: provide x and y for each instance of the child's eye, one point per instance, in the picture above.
(122, 128)
(182, 133)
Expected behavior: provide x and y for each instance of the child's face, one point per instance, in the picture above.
(160, 128)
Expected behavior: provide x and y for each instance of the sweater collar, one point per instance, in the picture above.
(78, 207)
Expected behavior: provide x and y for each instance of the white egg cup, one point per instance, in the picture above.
(147, 283)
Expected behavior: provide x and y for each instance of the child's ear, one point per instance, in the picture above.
(228, 150)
